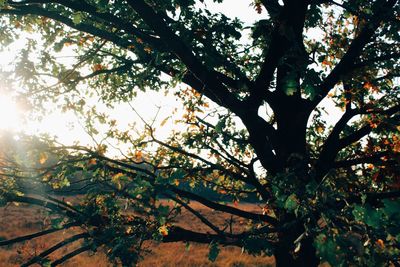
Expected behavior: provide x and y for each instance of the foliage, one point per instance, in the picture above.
(328, 191)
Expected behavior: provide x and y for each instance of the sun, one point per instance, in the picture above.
(9, 113)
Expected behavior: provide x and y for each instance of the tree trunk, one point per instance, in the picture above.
(306, 257)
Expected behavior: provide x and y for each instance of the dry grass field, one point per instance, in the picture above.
(16, 221)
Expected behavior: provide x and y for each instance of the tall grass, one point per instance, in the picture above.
(21, 220)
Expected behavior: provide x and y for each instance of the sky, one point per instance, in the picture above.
(68, 128)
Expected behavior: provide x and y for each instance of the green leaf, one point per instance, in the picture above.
(45, 262)
(368, 215)
(326, 249)
(3, 201)
(213, 252)
(373, 217)
(178, 174)
(77, 17)
(291, 202)
(392, 207)
(290, 85)
(311, 187)
(57, 222)
(220, 126)
(359, 213)
(311, 91)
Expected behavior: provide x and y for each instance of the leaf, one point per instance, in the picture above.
(3, 201)
(77, 17)
(3, 3)
(358, 213)
(213, 252)
(373, 217)
(45, 262)
(290, 85)
(163, 230)
(311, 91)
(258, 8)
(326, 249)
(164, 121)
(368, 215)
(98, 67)
(138, 155)
(43, 157)
(220, 126)
(391, 208)
(178, 174)
(291, 202)
(116, 179)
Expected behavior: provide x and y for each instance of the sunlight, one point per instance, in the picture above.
(9, 113)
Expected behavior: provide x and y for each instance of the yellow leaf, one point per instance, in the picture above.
(43, 157)
(101, 149)
(98, 67)
(92, 162)
(116, 179)
(163, 230)
(138, 155)
(320, 129)
(117, 176)
(164, 121)
(380, 243)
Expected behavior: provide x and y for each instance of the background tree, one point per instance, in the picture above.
(330, 192)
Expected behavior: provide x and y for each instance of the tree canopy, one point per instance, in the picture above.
(253, 125)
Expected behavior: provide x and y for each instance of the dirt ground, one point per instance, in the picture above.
(21, 220)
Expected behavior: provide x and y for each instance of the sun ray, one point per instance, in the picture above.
(9, 113)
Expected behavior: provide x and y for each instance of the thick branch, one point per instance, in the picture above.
(286, 35)
(334, 144)
(176, 233)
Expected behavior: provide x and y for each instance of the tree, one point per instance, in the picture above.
(330, 192)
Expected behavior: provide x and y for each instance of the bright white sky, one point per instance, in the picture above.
(66, 126)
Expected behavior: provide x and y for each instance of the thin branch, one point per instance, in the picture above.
(43, 203)
(35, 235)
(224, 208)
(71, 255)
(59, 245)
(212, 86)
(361, 160)
(197, 214)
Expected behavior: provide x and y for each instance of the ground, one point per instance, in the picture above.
(21, 220)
